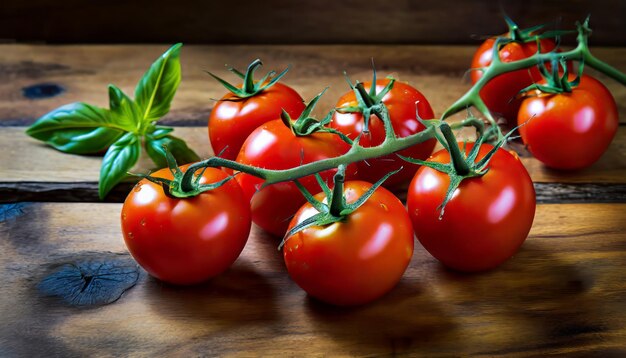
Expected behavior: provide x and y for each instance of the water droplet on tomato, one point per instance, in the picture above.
(384, 207)
(131, 235)
(143, 222)
(123, 216)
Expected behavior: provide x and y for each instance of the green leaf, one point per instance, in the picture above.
(124, 111)
(77, 128)
(157, 87)
(118, 160)
(159, 132)
(155, 147)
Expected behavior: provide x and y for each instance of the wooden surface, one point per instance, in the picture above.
(563, 293)
(285, 21)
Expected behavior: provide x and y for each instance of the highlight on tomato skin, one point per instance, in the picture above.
(569, 131)
(403, 102)
(487, 219)
(186, 241)
(357, 260)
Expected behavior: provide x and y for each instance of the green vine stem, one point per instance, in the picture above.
(355, 154)
(392, 143)
(580, 53)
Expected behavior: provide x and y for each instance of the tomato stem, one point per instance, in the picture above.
(514, 31)
(366, 96)
(187, 178)
(458, 160)
(248, 80)
(338, 202)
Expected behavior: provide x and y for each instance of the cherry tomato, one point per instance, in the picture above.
(233, 118)
(186, 241)
(499, 94)
(569, 130)
(487, 219)
(401, 104)
(358, 259)
(274, 146)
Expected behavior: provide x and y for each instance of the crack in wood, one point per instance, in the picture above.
(547, 193)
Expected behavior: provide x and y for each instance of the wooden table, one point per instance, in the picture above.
(564, 292)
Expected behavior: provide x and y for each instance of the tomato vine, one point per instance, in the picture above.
(392, 143)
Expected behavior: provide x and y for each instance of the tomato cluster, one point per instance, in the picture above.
(470, 205)
(564, 128)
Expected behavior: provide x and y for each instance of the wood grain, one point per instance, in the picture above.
(41, 173)
(83, 72)
(284, 21)
(563, 293)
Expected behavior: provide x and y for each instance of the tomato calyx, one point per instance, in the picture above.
(461, 167)
(338, 209)
(521, 35)
(251, 87)
(557, 81)
(533, 33)
(369, 103)
(306, 125)
(175, 188)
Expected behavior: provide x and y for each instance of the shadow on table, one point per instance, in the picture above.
(238, 296)
(548, 302)
(406, 317)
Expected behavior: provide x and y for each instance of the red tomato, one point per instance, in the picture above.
(569, 130)
(356, 260)
(401, 104)
(186, 241)
(499, 93)
(233, 118)
(274, 146)
(487, 219)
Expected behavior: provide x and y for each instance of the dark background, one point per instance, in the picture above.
(293, 21)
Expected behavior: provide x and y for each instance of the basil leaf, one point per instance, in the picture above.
(124, 111)
(158, 132)
(157, 87)
(84, 141)
(176, 146)
(77, 128)
(118, 160)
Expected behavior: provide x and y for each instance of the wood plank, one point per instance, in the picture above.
(563, 293)
(283, 21)
(44, 174)
(83, 73)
